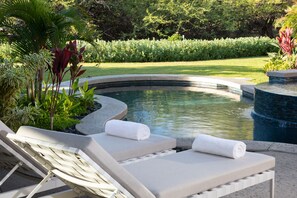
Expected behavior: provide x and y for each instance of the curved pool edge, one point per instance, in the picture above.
(94, 122)
(115, 109)
(240, 86)
(112, 108)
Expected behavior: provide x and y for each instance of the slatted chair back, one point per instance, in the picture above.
(12, 157)
(74, 167)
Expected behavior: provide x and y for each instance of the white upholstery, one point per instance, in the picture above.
(176, 175)
(120, 148)
(190, 172)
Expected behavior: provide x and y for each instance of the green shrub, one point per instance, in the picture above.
(61, 122)
(6, 52)
(185, 50)
(12, 81)
(279, 62)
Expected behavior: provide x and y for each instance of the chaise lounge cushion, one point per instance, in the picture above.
(123, 149)
(188, 172)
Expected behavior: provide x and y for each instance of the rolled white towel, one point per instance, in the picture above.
(126, 129)
(218, 146)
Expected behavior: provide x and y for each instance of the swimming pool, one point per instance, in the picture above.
(184, 114)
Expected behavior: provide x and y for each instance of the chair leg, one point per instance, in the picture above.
(35, 190)
(10, 172)
(272, 188)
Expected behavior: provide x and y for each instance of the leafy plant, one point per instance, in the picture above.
(32, 25)
(86, 95)
(278, 62)
(286, 42)
(57, 71)
(286, 57)
(75, 60)
(11, 80)
(21, 115)
(36, 62)
(186, 50)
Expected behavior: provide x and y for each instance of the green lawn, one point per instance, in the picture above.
(242, 67)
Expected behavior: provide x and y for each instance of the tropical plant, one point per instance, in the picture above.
(286, 42)
(57, 71)
(75, 66)
(21, 115)
(11, 80)
(32, 25)
(86, 95)
(289, 20)
(286, 57)
(36, 62)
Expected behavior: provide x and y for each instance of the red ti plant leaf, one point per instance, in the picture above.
(76, 58)
(81, 72)
(60, 62)
(286, 42)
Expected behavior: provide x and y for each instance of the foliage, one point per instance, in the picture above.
(57, 71)
(75, 60)
(20, 115)
(139, 19)
(5, 52)
(289, 20)
(175, 37)
(36, 62)
(61, 122)
(12, 81)
(186, 50)
(286, 42)
(286, 58)
(34, 24)
(86, 95)
(165, 17)
(278, 62)
(66, 110)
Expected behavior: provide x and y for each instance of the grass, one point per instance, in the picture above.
(250, 68)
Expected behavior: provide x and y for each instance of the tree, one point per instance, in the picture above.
(166, 17)
(289, 20)
(254, 17)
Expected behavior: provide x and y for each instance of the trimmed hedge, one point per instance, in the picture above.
(186, 50)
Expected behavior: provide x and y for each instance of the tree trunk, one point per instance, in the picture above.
(40, 80)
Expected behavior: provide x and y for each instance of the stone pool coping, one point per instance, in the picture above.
(239, 86)
(115, 109)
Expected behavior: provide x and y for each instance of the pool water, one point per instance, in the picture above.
(179, 113)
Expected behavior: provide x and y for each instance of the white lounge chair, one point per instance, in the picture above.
(89, 170)
(124, 150)
(15, 159)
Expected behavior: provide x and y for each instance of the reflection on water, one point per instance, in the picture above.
(186, 113)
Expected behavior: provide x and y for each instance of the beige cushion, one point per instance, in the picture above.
(123, 148)
(91, 148)
(189, 172)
